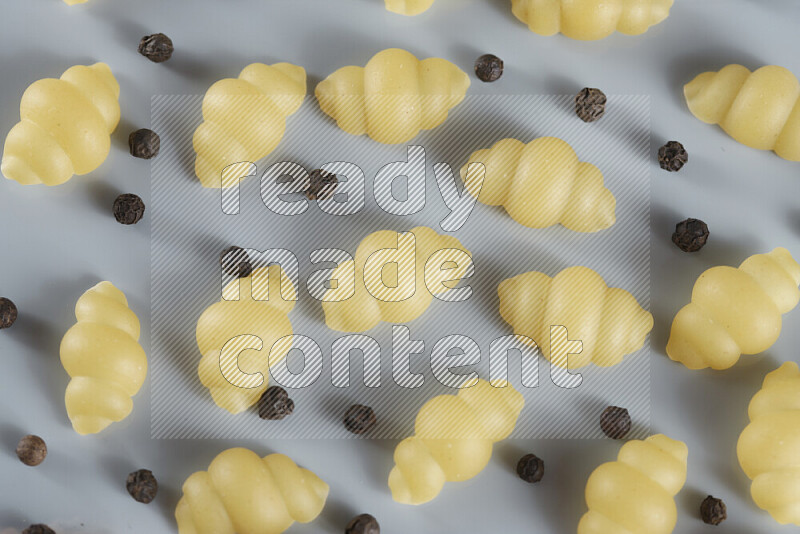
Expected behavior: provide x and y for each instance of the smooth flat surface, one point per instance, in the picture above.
(58, 242)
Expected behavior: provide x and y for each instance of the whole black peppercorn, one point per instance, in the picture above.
(690, 235)
(590, 104)
(128, 209)
(275, 404)
(488, 68)
(144, 144)
(363, 524)
(8, 313)
(615, 422)
(142, 486)
(323, 185)
(672, 156)
(38, 529)
(530, 468)
(359, 419)
(713, 511)
(157, 47)
(235, 261)
(31, 450)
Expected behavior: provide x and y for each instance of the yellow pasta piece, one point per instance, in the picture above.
(74, 2)
(769, 448)
(541, 184)
(363, 310)
(102, 355)
(735, 311)
(608, 321)
(635, 494)
(394, 97)
(259, 313)
(65, 127)
(408, 7)
(245, 119)
(759, 109)
(242, 493)
(453, 440)
(589, 20)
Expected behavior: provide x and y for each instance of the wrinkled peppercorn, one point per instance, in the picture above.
(690, 235)
(144, 144)
(275, 404)
(359, 419)
(128, 209)
(590, 104)
(713, 511)
(157, 47)
(363, 524)
(488, 68)
(615, 422)
(8, 313)
(31, 450)
(235, 261)
(38, 529)
(142, 486)
(530, 468)
(672, 156)
(323, 185)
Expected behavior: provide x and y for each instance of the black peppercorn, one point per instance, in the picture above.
(8, 313)
(615, 422)
(144, 144)
(142, 486)
(38, 529)
(157, 47)
(672, 156)
(128, 209)
(530, 468)
(713, 511)
(363, 524)
(235, 261)
(590, 104)
(359, 419)
(690, 235)
(322, 185)
(31, 450)
(275, 404)
(488, 68)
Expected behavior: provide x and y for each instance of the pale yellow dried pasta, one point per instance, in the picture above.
(408, 7)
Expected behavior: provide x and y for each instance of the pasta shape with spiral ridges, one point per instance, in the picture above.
(608, 321)
(453, 440)
(589, 20)
(102, 355)
(636, 493)
(65, 127)
(759, 109)
(394, 97)
(769, 447)
(243, 493)
(735, 311)
(245, 119)
(541, 184)
(408, 7)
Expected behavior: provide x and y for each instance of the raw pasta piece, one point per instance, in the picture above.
(759, 109)
(245, 119)
(589, 20)
(408, 7)
(394, 97)
(606, 320)
(453, 440)
(769, 448)
(65, 127)
(74, 2)
(242, 493)
(237, 373)
(735, 311)
(541, 184)
(102, 355)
